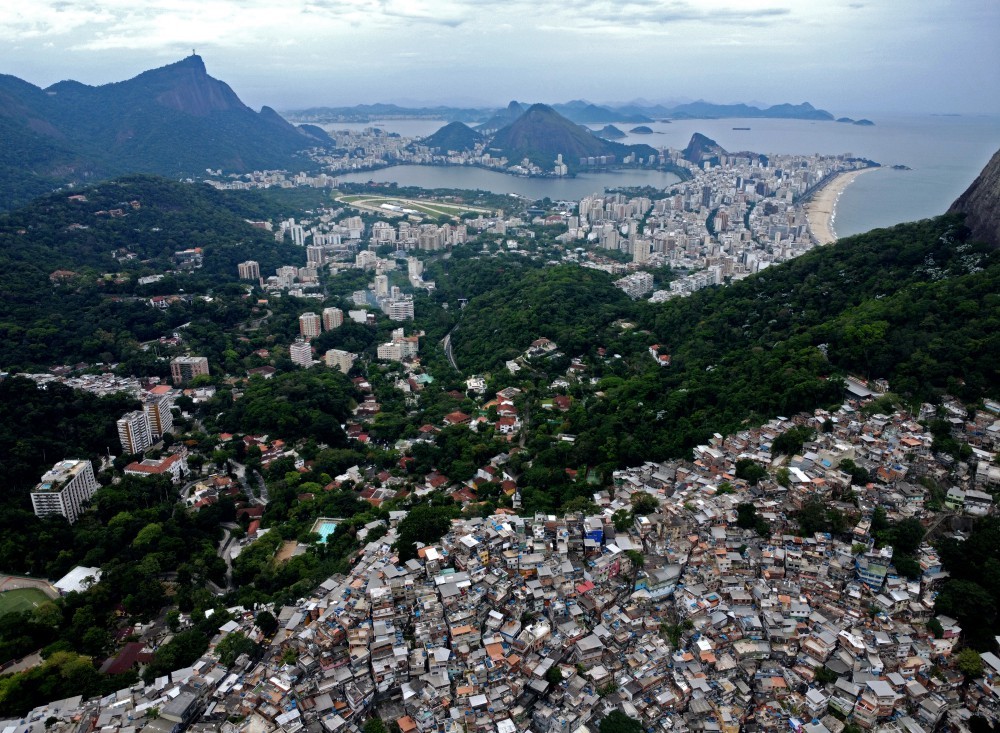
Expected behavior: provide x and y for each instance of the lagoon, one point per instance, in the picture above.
(472, 178)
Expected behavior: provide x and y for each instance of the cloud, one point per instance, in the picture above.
(669, 13)
(103, 25)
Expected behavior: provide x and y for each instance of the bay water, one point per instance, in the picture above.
(944, 154)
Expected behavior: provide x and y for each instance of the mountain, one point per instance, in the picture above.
(706, 110)
(580, 111)
(174, 120)
(381, 111)
(502, 118)
(981, 204)
(915, 304)
(701, 148)
(541, 133)
(316, 132)
(455, 136)
(585, 113)
(54, 253)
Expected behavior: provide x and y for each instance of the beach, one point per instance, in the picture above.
(822, 207)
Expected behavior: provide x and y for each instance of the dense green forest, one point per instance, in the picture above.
(916, 304)
(93, 309)
(294, 406)
(567, 304)
(41, 426)
(137, 534)
(971, 594)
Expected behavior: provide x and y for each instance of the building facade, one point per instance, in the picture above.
(301, 353)
(339, 359)
(310, 325)
(63, 489)
(186, 368)
(332, 318)
(400, 310)
(249, 270)
(134, 432)
(161, 419)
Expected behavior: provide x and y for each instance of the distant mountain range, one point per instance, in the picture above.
(579, 111)
(175, 120)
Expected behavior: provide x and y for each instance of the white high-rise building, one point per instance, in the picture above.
(365, 260)
(310, 325)
(332, 318)
(640, 251)
(400, 310)
(63, 489)
(381, 286)
(383, 232)
(301, 353)
(134, 432)
(161, 420)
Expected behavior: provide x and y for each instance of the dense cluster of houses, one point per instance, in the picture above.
(678, 617)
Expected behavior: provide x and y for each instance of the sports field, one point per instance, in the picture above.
(21, 599)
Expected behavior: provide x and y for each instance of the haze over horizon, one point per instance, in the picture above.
(847, 56)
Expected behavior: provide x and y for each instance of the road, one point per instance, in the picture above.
(224, 552)
(446, 343)
(264, 497)
(255, 323)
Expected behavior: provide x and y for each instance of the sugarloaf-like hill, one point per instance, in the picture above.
(541, 133)
(701, 148)
(502, 117)
(173, 120)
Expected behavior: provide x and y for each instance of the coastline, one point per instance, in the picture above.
(821, 209)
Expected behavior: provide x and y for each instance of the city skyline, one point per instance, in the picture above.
(850, 56)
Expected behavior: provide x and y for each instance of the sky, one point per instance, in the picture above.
(848, 56)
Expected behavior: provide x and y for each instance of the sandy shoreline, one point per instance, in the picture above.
(822, 207)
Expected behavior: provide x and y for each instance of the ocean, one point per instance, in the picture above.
(944, 153)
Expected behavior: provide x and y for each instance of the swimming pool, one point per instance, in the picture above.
(324, 528)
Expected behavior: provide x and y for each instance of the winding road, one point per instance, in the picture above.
(446, 343)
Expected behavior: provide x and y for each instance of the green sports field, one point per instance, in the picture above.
(21, 599)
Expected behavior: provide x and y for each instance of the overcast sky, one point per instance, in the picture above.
(848, 56)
